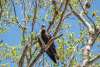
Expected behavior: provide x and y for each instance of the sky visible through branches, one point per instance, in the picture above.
(13, 36)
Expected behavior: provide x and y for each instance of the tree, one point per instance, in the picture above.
(74, 38)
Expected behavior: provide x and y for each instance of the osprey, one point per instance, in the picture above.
(51, 52)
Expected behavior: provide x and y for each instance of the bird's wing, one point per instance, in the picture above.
(52, 51)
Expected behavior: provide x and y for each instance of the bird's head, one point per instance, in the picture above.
(43, 29)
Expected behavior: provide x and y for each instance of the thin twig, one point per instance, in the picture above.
(54, 15)
(16, 15)
(57, 28)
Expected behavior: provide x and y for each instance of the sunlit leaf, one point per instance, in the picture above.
(3, 30)
(13, 52)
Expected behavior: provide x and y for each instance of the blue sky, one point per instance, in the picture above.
(13, 35)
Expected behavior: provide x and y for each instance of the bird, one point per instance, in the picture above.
(51, 52)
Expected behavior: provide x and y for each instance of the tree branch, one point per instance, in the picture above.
(27, 44)
(94, 59)
(72, 56)
(92, 37)
(82, 19)
(21, 61)
(34, 17)
(87, 14)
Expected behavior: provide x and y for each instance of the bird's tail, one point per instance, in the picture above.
(52, 56)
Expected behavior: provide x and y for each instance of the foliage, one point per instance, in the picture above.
(21, 13)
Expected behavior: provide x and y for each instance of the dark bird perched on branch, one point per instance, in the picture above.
(43, 39)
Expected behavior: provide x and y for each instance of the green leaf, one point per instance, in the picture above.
(3, 30)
